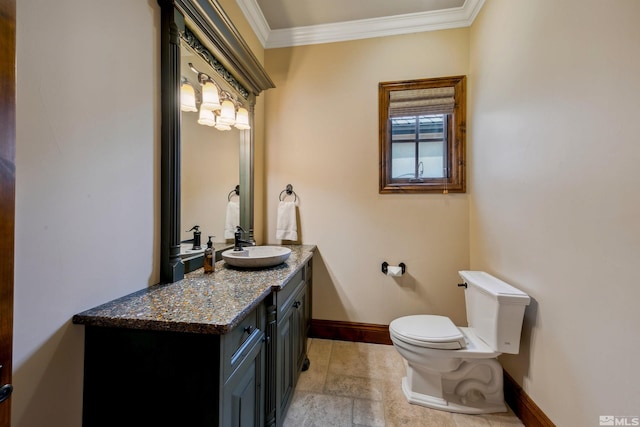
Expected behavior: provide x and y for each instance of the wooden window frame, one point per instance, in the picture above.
(455, 182)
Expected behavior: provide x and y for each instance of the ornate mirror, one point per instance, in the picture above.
(201, 48)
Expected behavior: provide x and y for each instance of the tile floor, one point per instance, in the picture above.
(357, 384)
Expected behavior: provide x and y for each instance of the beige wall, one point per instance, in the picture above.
(554, 201)
(322, 137)
(87, 185)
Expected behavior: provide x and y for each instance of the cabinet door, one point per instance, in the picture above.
(299, 319)
(243, 393)
(285, 363)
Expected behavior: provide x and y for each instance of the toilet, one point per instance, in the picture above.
(455, 368)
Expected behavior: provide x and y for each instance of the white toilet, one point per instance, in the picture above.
(456, 369)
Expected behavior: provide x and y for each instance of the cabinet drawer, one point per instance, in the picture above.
(234, 342)
(285, 296)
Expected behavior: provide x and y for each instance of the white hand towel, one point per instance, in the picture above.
(232, 220)
(286, 225)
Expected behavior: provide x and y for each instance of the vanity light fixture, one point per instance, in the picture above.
(213, 112)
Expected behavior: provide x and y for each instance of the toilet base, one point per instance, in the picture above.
(450, 402)
(472, 386)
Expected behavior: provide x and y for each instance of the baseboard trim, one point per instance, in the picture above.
(350, 331)
(521, 404)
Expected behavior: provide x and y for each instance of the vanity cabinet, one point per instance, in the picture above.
(224, 349)
(164, 378)
(292, 308)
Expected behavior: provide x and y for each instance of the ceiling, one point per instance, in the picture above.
(283, 23)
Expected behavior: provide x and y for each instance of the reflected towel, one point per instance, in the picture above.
(286, 226)
(233, 219)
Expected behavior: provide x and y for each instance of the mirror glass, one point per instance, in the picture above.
(201, 166)
(210, 167)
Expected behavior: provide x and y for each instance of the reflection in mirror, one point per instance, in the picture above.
(209, 165)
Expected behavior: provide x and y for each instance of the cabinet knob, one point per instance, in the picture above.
(297, 304)
(249, 329)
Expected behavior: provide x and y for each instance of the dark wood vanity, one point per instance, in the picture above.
(224, 349)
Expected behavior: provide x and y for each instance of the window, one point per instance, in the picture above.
(422, 135)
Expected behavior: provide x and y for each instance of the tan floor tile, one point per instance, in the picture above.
(319, 351)
(358, 384)
(368, 413)
(318, 410)
(347, 358)
(365, 360)
(313, 379)
(363, 388)
(463, 420)
(397, 414)
(503, 419)
(385, 361)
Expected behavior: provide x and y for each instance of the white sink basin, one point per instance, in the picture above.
(256, 256)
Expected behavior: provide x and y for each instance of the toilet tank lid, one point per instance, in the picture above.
(495, 287)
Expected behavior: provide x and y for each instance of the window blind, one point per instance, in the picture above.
(416, 102)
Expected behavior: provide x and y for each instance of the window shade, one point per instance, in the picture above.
(415, 102)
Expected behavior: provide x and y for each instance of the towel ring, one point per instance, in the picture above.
(235, 191)
(289, 191)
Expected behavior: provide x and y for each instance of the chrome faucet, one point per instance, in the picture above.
(238, 242)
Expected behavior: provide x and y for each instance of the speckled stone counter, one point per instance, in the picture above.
(200, 303)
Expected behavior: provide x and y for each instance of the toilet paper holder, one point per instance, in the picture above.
(385, 266)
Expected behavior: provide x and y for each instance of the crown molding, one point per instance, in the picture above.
(256, 19)
(353, 30)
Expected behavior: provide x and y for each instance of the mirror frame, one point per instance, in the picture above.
(216, 36)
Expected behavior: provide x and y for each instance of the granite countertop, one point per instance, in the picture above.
(200, 303)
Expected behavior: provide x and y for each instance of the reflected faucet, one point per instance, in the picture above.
(238, 243)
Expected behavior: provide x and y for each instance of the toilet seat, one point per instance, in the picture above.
(428, 331)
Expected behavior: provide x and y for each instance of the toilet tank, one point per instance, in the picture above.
(495, 310)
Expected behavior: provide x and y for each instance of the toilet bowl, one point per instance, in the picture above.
(456, 368)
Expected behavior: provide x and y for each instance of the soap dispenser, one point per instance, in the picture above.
(209, 257)
(196, 238)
